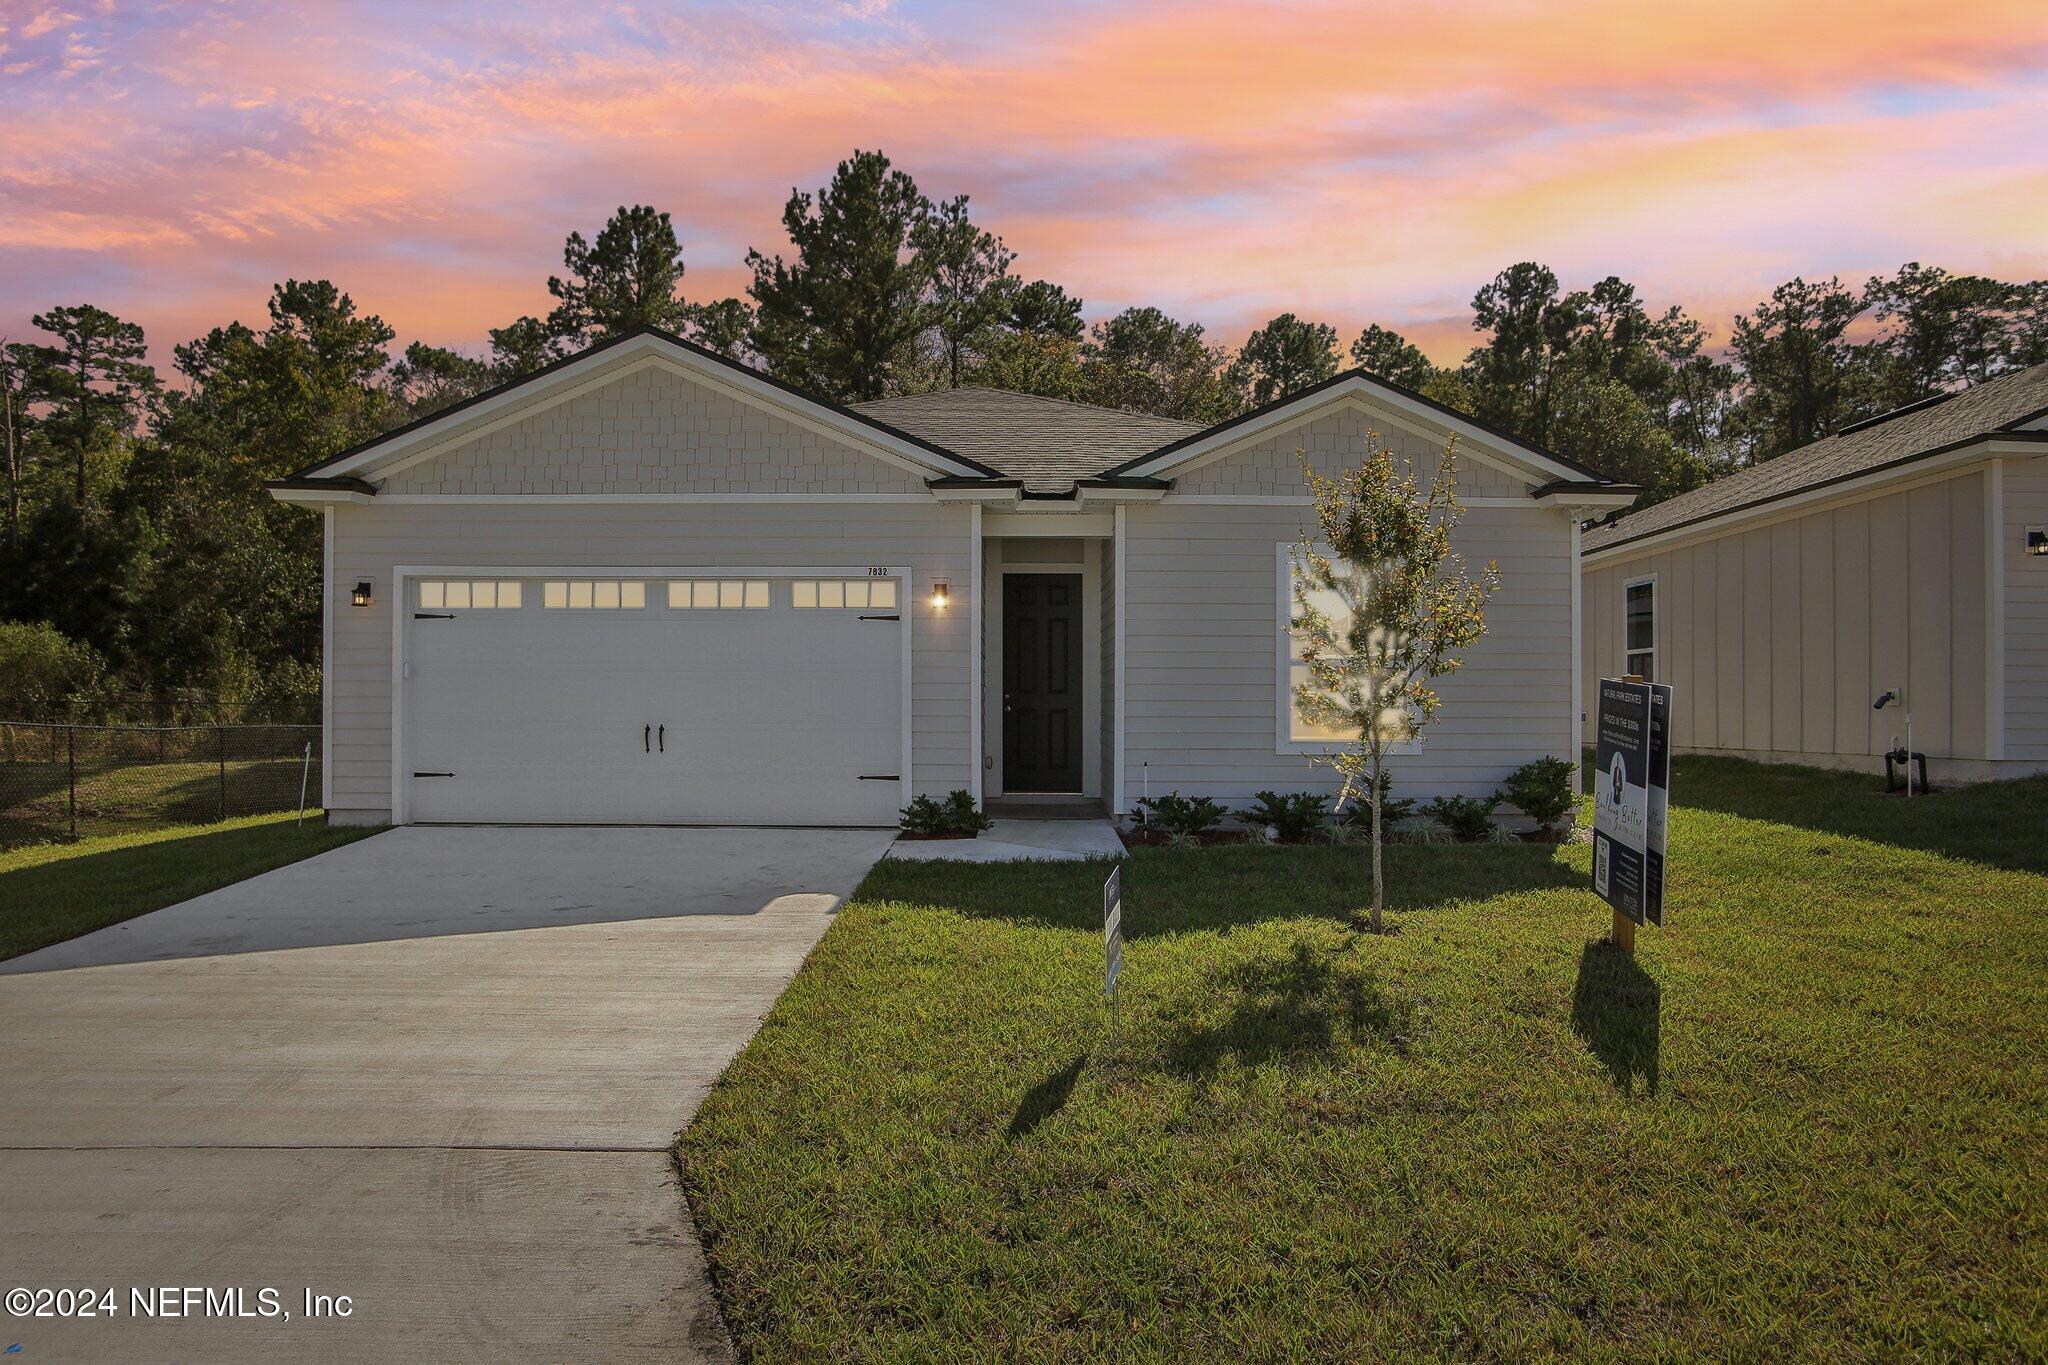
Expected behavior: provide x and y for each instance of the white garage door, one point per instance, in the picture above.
(654, 700)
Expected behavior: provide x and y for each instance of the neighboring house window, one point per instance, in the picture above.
(601, 594)
(1295, 733)
(727, 593)
(863, 593)
(491, 595)
(1639, 625)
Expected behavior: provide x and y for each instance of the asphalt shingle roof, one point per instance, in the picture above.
(1046, 442)
(2000, 404)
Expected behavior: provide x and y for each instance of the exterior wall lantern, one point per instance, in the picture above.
(360, 595)
(940, 596)
(2037, 540)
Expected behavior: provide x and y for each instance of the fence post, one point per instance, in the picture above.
(71, 777)
(305, 772)
(221, 731)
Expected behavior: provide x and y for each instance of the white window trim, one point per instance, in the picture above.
(1284, 741)
(1649, 579)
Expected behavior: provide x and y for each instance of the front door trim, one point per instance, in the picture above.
(401, 618)
(1092, 662)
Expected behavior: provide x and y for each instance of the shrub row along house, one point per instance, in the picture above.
(647, 584)
(1906, 553)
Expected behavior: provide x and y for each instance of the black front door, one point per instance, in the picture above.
(1042, 682)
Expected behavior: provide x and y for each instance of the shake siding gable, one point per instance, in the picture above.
(651, 431)
(1272, 467)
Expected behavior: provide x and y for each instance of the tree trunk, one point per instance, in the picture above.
(1379, 874)
(13, 459)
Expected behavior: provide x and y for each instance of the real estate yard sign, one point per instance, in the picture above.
(1621, 796)
(1660, 802)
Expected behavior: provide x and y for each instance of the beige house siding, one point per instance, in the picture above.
(1202, 633)
(1272, 467)
(370, 541)
(1777, 639)
(2025, 489)
(651, 431)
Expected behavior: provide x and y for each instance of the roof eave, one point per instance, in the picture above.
(305, 491)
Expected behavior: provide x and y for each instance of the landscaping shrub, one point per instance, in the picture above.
(1468, 817)
(1359, 812)
(1293, 817)
(1173, 814)
(1543, 791)
(955, 817)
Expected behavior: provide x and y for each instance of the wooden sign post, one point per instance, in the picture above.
(1112, 940)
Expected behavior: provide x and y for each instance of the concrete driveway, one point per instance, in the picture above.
(437, 1071)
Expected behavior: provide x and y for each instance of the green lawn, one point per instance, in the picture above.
(51, 892)
(1806, 1120)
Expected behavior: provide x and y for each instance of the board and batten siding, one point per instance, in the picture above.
(2025, 498)
(1201, 639)
(370, 541)
(1776, 639)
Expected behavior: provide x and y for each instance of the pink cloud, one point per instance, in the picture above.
(1224, 159)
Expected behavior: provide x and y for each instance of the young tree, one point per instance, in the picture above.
(1285, 356)
(843, 317)
(1386, 353)
(1383, 606)
(11, 418)
(968, 270)
(632, 276)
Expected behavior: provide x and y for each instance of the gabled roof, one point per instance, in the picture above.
(1048, 443)
(2005, 404)
(1160, 462)
(451, 421)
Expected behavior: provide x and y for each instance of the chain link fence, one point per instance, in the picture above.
(76, 781)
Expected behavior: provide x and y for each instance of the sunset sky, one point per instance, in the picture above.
(1224, 160)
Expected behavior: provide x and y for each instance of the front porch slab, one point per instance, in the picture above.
(1067, 840)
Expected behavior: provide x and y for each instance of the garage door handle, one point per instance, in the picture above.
(646, 739)
(881, 777)
(661, 739)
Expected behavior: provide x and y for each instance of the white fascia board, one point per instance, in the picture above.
(318, 497)
(1110, 497)
(987, 497)
(1485, 444)
(604, 367)
(1034, 524)
(1929, 470)
(1594, 502)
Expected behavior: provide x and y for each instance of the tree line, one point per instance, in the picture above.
(143, 568)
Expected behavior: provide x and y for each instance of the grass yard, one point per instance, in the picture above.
(118, 796)
(1807, 1120)
(51, 892)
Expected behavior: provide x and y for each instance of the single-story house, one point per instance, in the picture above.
(647, 584)
(1906, 553)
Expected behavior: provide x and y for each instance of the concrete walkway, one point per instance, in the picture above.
(1011, 839)
(437, 1071)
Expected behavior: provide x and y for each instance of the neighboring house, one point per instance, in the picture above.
(647, 584)
(1909, 551)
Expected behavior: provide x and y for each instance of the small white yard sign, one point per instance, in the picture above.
(1112, 930)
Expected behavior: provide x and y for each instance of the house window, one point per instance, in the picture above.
(1296, 733)
(730, 594)
(828, 594)
(596, 594)
(469, 594)
(1639, 627)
